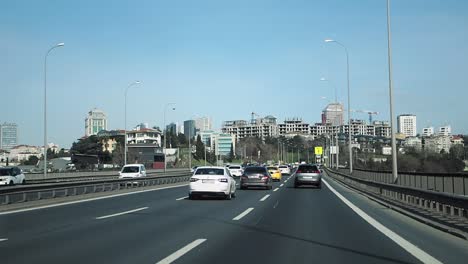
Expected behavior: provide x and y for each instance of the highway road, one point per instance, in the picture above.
(283, 225)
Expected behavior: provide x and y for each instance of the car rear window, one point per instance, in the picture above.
(283, 167)
(130, 169)
(5, 172)
(307, 168)
(234, 167)
(272, 168)
(209, 171)
(254, 170)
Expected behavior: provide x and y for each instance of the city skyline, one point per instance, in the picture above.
(192, 53)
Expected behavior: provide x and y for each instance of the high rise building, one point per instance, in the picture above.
(407, 125)
(172, 128)
(8, 136)
(203, 123)
(95, 122)
(189, 128)
(333, 114)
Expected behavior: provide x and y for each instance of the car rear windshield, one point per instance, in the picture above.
(5, 172)
(272, 168)
(235, 167)
(255, 170)
(307, 168)
(130, 169)
(283, 166)
(209, 171)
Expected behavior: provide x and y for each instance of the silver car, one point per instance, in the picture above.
(256, 177)
(307, 174)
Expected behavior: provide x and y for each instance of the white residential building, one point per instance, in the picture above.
(407, 125)
(23, 152)
(445, 131)
(203, 124)
(144, 136)
(413, 142)
(359, 127)
(294, 125)
(428, 131)
(437, 143)
(95, 122)
(261, 128)
(382, 129)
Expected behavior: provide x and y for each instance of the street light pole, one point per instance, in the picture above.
(125, 120)
(45, 105)
(390, 91)
(350, 131)
(165, 134)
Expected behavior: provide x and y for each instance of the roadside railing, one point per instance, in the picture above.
(420, 191)
(453, 183)
(25, 193)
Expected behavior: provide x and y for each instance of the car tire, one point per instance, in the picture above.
(228, 196)
(234, 195)
(23, 182)
(191, 197)
(296, 185)
(11, 183)
(242, 187)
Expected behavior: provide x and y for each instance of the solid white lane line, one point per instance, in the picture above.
(122, 213)
(179, 253)
(264, 198)
(405, 244)
(276, 189)
(281, 185)
(239, 217)
(181, 198)
(88, 200)
(3, 239)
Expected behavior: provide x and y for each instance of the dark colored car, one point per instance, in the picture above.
(307, 174)
(256, 177)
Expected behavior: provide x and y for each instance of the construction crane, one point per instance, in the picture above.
(370, 113)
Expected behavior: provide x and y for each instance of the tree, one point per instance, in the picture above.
(457, 152)
(182, 139)
(230, 157)
(32, 160)
(200, 148)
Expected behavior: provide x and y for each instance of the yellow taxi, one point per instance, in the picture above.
(275, 173)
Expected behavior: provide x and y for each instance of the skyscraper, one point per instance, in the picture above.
(407, 125)
(189, 128)
(8, 136)
(333, 114)
(95, 122)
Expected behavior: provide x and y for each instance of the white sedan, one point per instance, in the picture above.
(235, 170)
(212, 181)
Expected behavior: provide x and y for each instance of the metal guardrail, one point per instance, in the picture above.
(453, 183)
(94, 176)
(448, 204)
(25, 193)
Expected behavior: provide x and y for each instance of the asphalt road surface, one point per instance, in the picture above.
(283, 225)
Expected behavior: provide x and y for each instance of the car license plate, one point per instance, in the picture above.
(208, 181)
(308, 177)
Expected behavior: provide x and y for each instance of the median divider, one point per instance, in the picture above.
(26, 193)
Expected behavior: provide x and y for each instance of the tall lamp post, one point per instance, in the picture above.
(350, 131)
(390, 92)
(45, 105)
(125, 120)
(165, 133)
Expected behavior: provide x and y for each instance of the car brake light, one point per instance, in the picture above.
(298, 171)
(223, 180)
(193, 179)
(316, 171)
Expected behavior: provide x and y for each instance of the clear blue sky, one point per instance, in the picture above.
(225, 59)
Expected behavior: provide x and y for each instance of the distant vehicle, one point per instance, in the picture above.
(132, 171)
(256, 177)
(212, 181)
(236, 170)
(11, 176)
(308, 175)
(193, 169)
(284, 169)
(275, 173)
